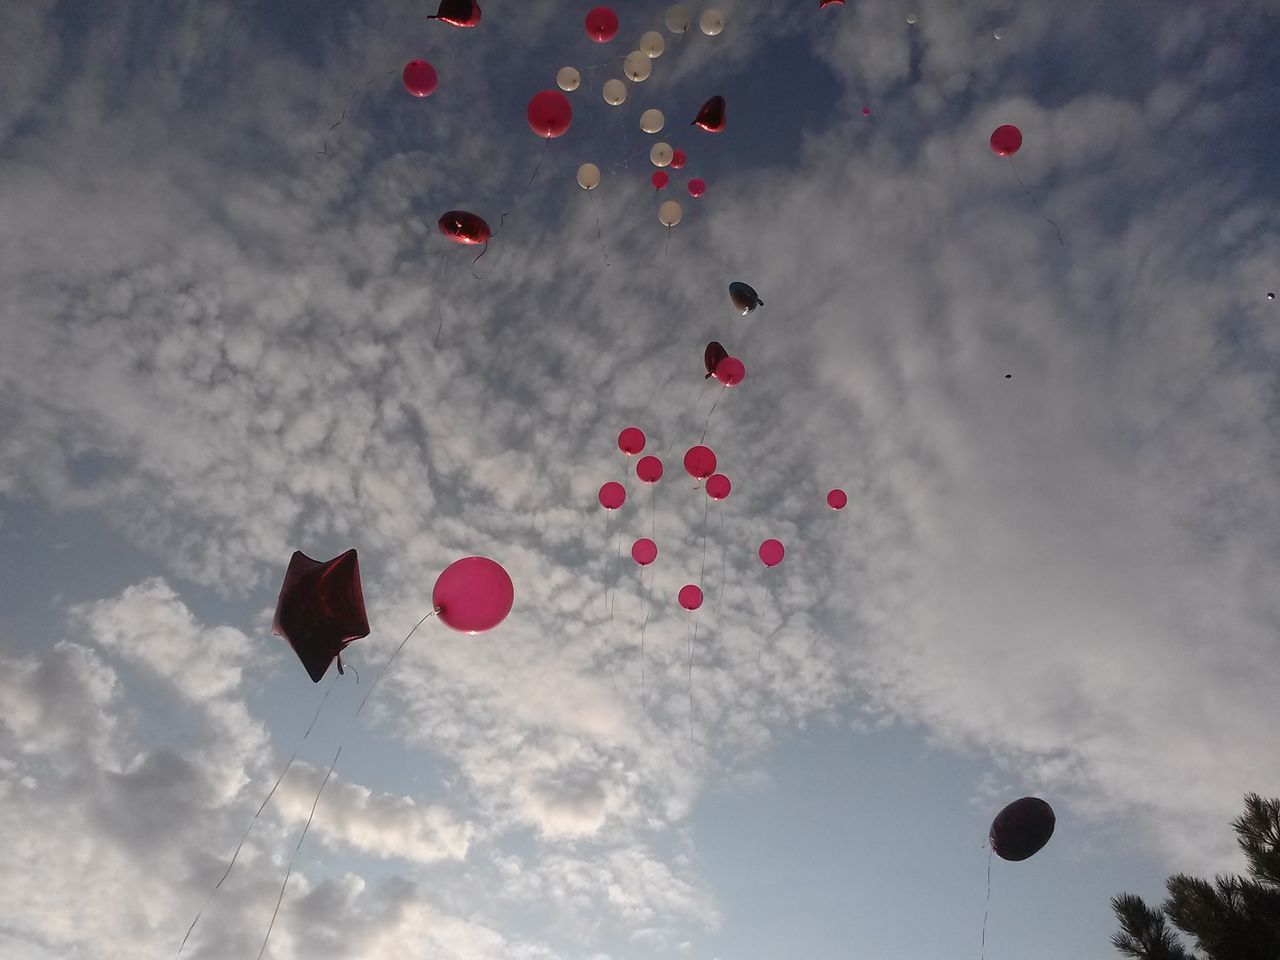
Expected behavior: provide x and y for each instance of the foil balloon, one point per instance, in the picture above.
(1006, 140)
(463, 227)
(744, 297)
(458, 13)
(631, 441)
(712, 356)
(711, 116)
(320, 610)
(473, 595)
(419, 78)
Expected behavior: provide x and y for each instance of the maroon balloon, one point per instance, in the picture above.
(730, 371)
(700, 462)
(718, 486)
(602, 24)
(644, 551)
(419, 78)
(837, 499)
(678, 159)
(659, 179)
(712, 356)
(463, 227)
(549, 113)
(1022, 828)
(613, 495)
(473, 595)
(697, 187)
(828, 3)
(711, 116)
(649, 469)
(1006, 140)
(458, 13)
(321, 609)
(866, 111)
(691, 596)
(631, 441)
(771, 552)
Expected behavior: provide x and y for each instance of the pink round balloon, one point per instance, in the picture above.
(419, 78)
(678, 159)
(649, 469)
(700, 462)
(691, 596)
(718, 486)
(659, 179)
(730, 371)
(697, 187)
(631, 441)
(613, 495)
(1006, 140)
(771, 552)
(602, 24)
(644, 551)
(473, 595)
(837, 499)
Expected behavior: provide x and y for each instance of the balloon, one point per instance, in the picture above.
(772, 552)
(473, 595)
(637, 67)
(913, 18)
(649, 469)
(837, 499)
(613, 495)
(744, 297)
(669, 213)
(652, 44)
(321, 609)
(826, 3)
(1006, 140)
(463, 227)
(700, 462)
(730, 371)
(644, 551)
(631, 441)
(866, 111)
(697, 187)
(549, 113)
(998, 34)
(712, 356)
(691, 596)
(711, 116)
(660, 154)
(458, 13)
(615, 92)
(568, 79)
(1271, 296)
(652, 120)
(712, 22)
(718, 486)
(588, 176)
(659, 179)
(419, 78)
(678, 159)
(1022, 828)
(677, 19)
(602, 24)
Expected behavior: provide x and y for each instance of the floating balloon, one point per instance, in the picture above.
(1006, 140)
(866, 111)
(659, 179)
(549, 113)
(998, 34)
(660, 154)
(652, 120)
(837, 499)
(473, 595)
(588, 176)
(1022, 828)
(669, 213)
(678, 159)
(458, 13)
(652, 44)
(644, 551)
(463, 227)
(772, 552)
(711, 115)
(631, 441)
(602, 24)
(419, 78)
(700, 462)
(712, 356)
(913, 18)
(827, 3)
(649, 469)
(697, 187)
(321, 609)
(568, 79)
(637, 67)
(712, 22)
(718, 486)
(677, 19)
(744, 297)
(691, 596)
(1271, 296)
(730, 371)
(613, 495)
(615, 92)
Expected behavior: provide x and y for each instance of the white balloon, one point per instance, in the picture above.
(637, 67)
(661, 154)
(999, 34)
(913, 18)
(712, 22)
(588, 176)
(567, 79)
(615, 92)
(669, 213)
(652, 44)
(652, 120)
(678, 19)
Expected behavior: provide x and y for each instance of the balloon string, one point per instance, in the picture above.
(387, 666)
(722, 561)
(667, 244)
(262, 806)
(492, 236)
(617, 556)
(653, 512)
(537, 166)
(693, 638)
(1032, 198)
(644, 612)
(603, 252)
(323, 152)
(988, 908)
(706, 426)
(607, 511)
(697, 400)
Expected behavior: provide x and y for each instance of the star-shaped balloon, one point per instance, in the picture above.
(321, 609)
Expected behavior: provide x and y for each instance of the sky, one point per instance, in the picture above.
(232, 330)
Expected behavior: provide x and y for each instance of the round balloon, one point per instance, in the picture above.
(837, 499)
(588, 176)
(1006, 140)
(691, 596)
(660, 154)
(771, 552)
(419, 78)
(669, 213)
(649, 469)
(612, 495)
(614, 92)
(652, 120)
(463, 227)
(549, 113)
(631, 441)
(568, 79)
(730, 371)
(602, 24)
(678, 159)
(677, 19)
(637, 67)
(866, 111)
(712, 22)
(823, 4)
(473, 594)
(913, 18)
(652, 44)
(697, 187)
(718, 486)
(644, 551)
(659, 179)
(700, 462)
(1022, 828)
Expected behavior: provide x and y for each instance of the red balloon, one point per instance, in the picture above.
(649, 469)
(1006, 140)
(866, 111)
(712, 356)
(659, 179)
(463, 227)
(827, 3)
(458, 13)
(718, 486)
(631, 441)
(419, 78)
(549, 113)
(602, 24)
(837, 499)
(711, 117)
(644, 551)
(678, 159)
(730, 371)
(700, 462)
(612, 495)
(771, 552)
(321, 609)
(473, 595)
(697, 187)
(691, 596)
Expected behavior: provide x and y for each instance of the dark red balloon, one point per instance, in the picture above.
(549, 113)
(649, 469)
(711, 116)
(419, 78)
(321, 609)
(691, 596)
(678, 159)
(613, 495)
(459, 13)
(1006, 140)
(837, 499)
(631, 441)
(1022, 828)
(473, 595)
(697, 187)
(644, 551)
(730, 371)
(771, 552)
(718, 486)
(700, 462)
(602, 24)
(712, 356)
(463, 227)
(828, 3)
(659, 179)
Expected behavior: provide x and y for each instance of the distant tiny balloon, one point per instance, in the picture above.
(568, 79)
(1271, 296)
(913, 18)
(772, 552)
(837, 499)
(1006, 140)
(866, 111)
(697, 187)
(631, 441)
(999, 34)
(612, 495)
(649, 469)
(460, 226)
(718, 486)
(644, 551)
(822, 4)
(691, 596)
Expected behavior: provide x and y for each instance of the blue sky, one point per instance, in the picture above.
(217, 348)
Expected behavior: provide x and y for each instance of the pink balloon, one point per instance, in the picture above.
(730, 371)
(631, 441)
(718, 486)
(473, 595)
(549, 113)
(678, 159)
(771, 552)
(644, 551)
(602, 24)
(613, 495)
(419, 78)
(649, 469)
(700, 462)
(659, 179)
(691, 596)
(1006, 140)
(697, 187)
(866, 111)
(837, 499)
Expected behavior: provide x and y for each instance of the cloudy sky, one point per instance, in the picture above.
(1055, 575)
